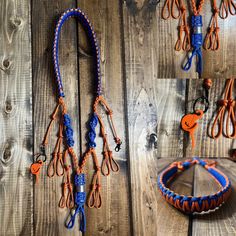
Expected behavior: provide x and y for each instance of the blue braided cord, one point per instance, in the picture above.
(196, 41)
(71, 223)
(80, 198)
(92, 37)
(218, 176)
(79, 179)
(92, 131)
(68, 133)
(169, 174)
(186, 164)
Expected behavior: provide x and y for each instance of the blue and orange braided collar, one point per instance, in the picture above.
(191, 204)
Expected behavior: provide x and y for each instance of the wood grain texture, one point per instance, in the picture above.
(51, 220)
(16, 204)
(222, 221)
(114, 216)
(152, 109)
(206, 146)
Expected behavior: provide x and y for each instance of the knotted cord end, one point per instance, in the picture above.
(80, 197)
(197, 41)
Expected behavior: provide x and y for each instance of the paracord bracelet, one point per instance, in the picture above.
(191, 204)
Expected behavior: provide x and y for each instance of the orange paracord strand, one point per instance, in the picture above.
(183, 42)
(225, 105)
(212, 38)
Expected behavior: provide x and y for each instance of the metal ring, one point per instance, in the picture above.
(203, 100)
(38, 155)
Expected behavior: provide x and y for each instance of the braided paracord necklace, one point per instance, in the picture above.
(74, 198)
(192, 38)
(191, 204)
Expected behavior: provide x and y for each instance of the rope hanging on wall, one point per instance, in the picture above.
(190, 38)
(64, 160)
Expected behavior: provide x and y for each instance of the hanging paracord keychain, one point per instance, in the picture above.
(189, 121)
(190, 38)
(73, 194)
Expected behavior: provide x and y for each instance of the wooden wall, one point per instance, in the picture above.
(137, 57)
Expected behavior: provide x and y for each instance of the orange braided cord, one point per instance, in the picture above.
(212, 38)
(183, 42)
(94, 197)
(197, 10)
(103, 102)
(56, 165)
(227, 104)
(67, 198)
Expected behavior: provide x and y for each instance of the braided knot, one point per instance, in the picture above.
(196, 22)
(80, 198)
(92, 131)
(231, 102)
(68, 130)
(216, 10)
(217, 29)
(79, 179)
(223, 103)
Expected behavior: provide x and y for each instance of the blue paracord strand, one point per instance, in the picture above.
(92, 38)
(80, 198)
(92, 131)
(164, 177)
(68, 131)
(197, 41)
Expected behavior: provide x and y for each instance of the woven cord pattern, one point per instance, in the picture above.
(191, 204)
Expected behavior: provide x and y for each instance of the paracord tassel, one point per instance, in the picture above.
(197, 41)
(80, 198)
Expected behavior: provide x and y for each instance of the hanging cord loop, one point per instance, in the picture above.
(183, 42)
(226, 7)
(225, 110)
(170, 8)
(212, 41)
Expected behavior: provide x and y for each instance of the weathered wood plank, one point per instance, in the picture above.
(220, 64)
(114, 216)
(206, 146)
(178, 223)
(16, 205)
(222, 221)
(150, 40)
(49, 218)
(155, 106)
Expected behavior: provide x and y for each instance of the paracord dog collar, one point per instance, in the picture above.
(191, 204)
(64, 157)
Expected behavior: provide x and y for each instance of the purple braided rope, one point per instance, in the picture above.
(92, 37)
